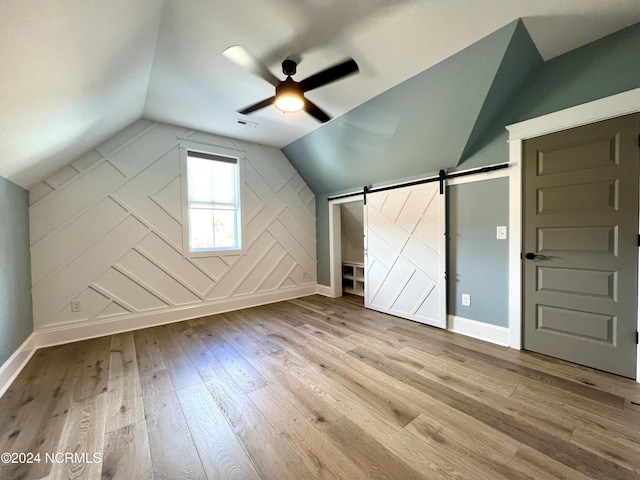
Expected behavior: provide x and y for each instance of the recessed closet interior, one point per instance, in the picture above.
(352, 238)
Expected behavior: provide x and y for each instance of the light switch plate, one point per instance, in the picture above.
(501, 233)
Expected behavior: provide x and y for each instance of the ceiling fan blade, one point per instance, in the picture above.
(240, 56)
(329, 75)
(315, 111)
(257, 106)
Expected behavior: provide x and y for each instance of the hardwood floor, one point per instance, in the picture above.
(314, 388)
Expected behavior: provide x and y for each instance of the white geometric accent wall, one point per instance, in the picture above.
(107, 230)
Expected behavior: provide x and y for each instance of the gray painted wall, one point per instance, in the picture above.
(478, 262)
(16, 319)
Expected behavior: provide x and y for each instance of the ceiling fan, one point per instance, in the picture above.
(289, 95)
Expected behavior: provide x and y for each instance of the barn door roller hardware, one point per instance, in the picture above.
(442, 177)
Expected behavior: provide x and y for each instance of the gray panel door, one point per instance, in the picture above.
(581, 220)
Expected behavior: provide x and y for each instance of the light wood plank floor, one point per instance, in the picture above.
(314, 388)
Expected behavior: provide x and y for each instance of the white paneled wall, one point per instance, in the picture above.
(107, 230)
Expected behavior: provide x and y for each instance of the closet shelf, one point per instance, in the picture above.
(353, 278)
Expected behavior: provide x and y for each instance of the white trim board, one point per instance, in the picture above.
(10, 369)
(477, 177)
(324, 291)
(591, 112)
(75, 332)
(595, 111)
(480, 330)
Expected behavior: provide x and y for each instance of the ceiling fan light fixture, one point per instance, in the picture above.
(289, 104)
(289, 97)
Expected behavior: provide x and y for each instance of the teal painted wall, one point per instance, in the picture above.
(608, 66)
(600, 69)
(531, 88)
(521, 60)
(16, 318)
(426, 123)
(322, 239)
(478, 262)
(418, 126)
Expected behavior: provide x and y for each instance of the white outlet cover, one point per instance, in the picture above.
(501, 233)
(466, 300)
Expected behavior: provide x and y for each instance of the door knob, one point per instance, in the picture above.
(533, 256)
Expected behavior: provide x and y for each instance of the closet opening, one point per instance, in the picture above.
(352, 247)
(346, 246)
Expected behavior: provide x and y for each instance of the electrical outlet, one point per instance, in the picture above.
(466, 300)
(501, 233)
(76, 306)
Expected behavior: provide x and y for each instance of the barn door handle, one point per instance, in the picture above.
(533, 256)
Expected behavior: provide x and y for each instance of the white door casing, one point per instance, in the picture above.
(594, 111)
(405, 253)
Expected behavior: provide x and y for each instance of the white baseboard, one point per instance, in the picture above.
(15, 363)
(479, 330)
(325, 291)
(73, 332)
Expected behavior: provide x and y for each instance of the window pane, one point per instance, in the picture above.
(224, 228)
(201, 229)
(213, 197)
(211, 181)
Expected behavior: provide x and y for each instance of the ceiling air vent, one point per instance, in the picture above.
(247, 123)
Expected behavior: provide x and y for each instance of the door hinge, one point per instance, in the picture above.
(637, 338)
(639, 240)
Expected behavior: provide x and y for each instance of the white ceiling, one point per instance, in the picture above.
(74, 72)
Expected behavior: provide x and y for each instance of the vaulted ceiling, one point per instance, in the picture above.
(73, 73)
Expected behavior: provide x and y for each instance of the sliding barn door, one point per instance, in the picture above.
(405, 253)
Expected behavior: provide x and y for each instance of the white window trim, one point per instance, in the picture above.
(185, 146)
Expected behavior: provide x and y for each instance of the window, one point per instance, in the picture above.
(213, 202)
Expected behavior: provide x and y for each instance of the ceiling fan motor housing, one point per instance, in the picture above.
(289, 67)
